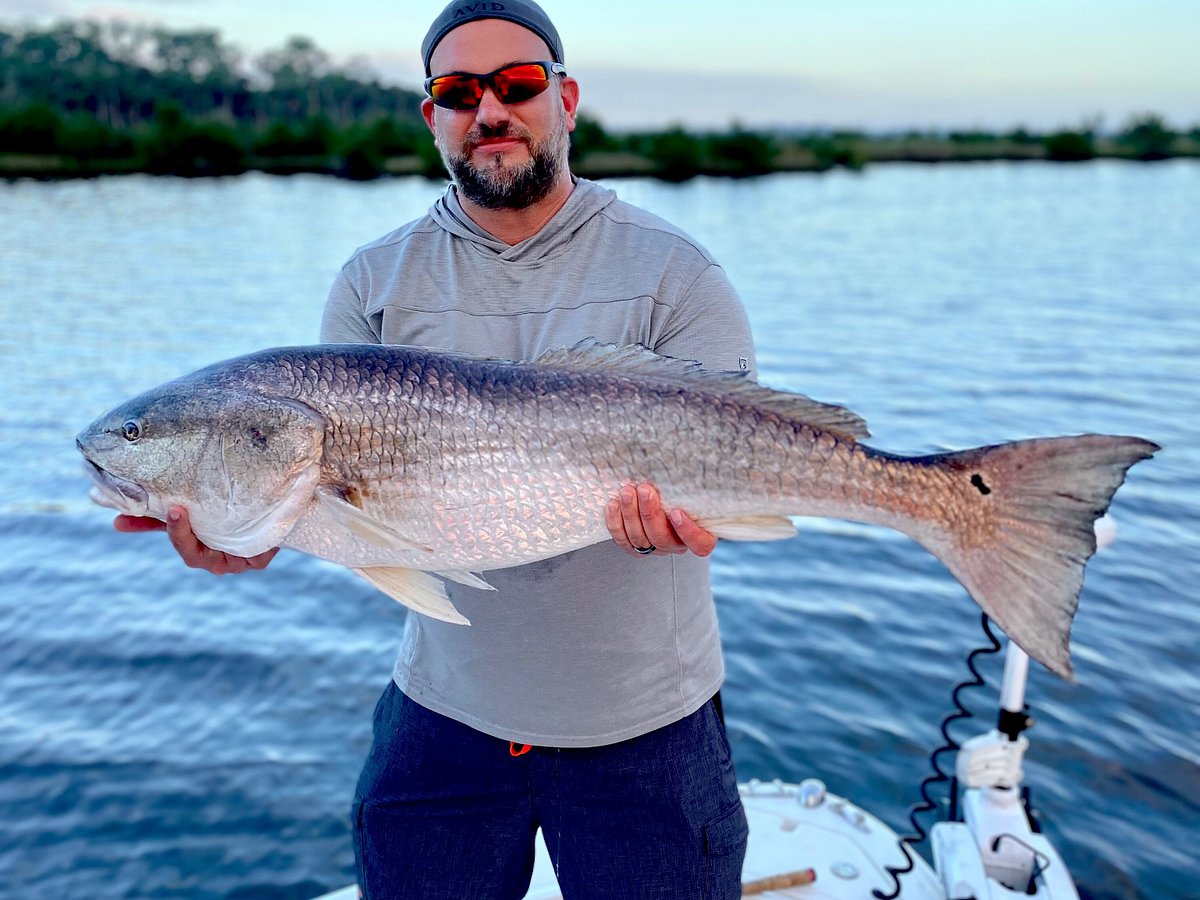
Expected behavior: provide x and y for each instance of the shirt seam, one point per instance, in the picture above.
(683, 296)
(521, 312)
(408, 233)
(669, 232)
(675, 615)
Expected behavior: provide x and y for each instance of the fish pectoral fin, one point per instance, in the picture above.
(470, 579)
(750, 528)
(359, 523)
(417, 590)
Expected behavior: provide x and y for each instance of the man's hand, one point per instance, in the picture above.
(636, 520)
(194, 553)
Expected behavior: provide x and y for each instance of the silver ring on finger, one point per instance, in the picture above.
(645, 551)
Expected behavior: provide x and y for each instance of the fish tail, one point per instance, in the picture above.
(1021, 548)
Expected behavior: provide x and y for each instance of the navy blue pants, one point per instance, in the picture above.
(444, 811)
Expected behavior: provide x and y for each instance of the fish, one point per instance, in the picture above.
(412, 466)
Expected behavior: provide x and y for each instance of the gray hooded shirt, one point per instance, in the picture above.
(591, 647)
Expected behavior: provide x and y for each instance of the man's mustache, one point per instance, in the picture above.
(480, 133)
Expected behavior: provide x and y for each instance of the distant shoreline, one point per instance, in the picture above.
(855, 155)
(82, 99)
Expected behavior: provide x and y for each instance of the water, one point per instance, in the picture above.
(167, 733)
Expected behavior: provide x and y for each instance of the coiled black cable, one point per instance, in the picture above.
(927, 804)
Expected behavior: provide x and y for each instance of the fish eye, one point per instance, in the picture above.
(131, 430)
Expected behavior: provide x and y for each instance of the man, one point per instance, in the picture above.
(580, 699)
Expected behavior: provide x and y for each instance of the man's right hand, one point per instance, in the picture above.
(190, 550)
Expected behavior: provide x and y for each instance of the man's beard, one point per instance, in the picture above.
(499, 186)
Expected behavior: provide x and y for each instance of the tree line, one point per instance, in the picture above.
(82, 98)
(120, 96)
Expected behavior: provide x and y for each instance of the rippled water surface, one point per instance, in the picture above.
(166, 733)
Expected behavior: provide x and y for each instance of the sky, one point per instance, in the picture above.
(877, 65)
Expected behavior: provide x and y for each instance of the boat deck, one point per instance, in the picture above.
(804, 843)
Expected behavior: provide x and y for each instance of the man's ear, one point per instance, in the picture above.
(569, 91)
(427, 109)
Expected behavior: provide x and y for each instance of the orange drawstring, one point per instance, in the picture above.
(515, 750)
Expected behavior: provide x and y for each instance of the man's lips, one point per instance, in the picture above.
(497, 145)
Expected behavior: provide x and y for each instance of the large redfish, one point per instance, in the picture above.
(399, 462)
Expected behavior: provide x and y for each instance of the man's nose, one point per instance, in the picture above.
(491, 111)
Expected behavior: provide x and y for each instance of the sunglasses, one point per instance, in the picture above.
(511, 84)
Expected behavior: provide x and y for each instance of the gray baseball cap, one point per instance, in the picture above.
(525, 13)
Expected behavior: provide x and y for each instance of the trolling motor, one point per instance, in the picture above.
(997, 850)
(990, 845)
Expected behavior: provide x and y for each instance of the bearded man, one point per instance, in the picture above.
(583, 699)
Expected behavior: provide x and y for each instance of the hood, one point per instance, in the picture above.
(587, 198)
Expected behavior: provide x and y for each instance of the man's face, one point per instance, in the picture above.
(502, 156)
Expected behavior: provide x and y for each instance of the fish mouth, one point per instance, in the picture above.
(112, 491)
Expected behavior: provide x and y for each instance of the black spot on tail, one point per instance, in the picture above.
(980, 485)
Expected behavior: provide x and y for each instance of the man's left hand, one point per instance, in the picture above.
(636, 520)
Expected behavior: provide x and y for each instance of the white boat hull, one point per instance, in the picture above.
(840, 845)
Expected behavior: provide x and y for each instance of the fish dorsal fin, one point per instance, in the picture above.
(630, 359)
(417, 590)
(634, 359)
(362, 525)
(828, 417)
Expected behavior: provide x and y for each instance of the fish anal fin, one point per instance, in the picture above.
(417, 590)
(750, 528)
(470, 579)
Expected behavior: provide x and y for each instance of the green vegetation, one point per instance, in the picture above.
(80, 99)
(1149, 138)
(1070, 146)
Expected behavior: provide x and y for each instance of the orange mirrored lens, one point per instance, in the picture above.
(511, 85)
(520, 83)
(457, 91)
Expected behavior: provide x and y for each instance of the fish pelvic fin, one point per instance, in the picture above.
(417, 590)
(1021, 549)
